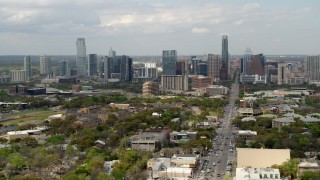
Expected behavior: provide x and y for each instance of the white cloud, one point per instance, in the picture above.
(251, 6)
(239, 22)
(200, 30)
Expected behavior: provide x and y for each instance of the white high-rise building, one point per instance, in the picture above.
(18, 76)
(112, 53)
(81, 57)
(313, 68)
(45, 64)
(27, 67)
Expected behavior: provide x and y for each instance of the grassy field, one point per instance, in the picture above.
(24, 116)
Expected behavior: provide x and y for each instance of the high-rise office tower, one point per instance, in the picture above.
(214, 67)
(27, 67)
(224, 59)
(118, 67)
(63, 68)
(247, 59)
(282, 73)
(203, 69)
(112, 53)
(312, 69)
(257, 65)
(181, 68)
(169, 62)
(92, 64)
(45, 65)
(81, 57)
(195, 65)
(100, 68)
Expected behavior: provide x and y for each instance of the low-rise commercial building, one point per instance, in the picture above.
(149, 141)
(246, 134)
(261, 158)
(257, 174)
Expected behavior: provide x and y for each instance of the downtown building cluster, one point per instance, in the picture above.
(180, 74)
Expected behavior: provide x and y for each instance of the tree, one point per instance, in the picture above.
(310, 175)
(289, 168)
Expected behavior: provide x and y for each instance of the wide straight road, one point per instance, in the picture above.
(224, 141)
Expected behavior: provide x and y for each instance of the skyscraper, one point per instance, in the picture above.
(214, 67)
(81, 57)
(169, 62)
(224, 59)
(92, 64)
(27, 67)
(257, 65)
(45, 65)
(63, 67)
(313, 68)
(195, 65)
(181, 67)
(247, 59)
(118, 67)
(112, 53)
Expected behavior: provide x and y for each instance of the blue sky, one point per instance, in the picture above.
(146, 27)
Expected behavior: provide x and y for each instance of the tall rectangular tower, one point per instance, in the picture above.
(313, 68)
(247, 59)
(45, 65)
(92, 64)
(169, 61)
(213, 67)
(81, 57)
(224, 59)
(63, 68)
(27, 67)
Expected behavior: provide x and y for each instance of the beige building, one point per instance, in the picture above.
(150, 89)
(261, 158)
(174, 83)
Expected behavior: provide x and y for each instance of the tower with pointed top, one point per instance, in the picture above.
(112, 53)
(224, 59)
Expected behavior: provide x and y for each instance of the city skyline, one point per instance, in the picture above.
(141, 27)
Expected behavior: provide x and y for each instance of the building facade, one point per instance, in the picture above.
(63, 68)
(312, 68)
(18, 76)
(169, 61)
(174, 84)
(224, 59)
(45, 65)
(27, 67)
(81, 62)
(214, 67)
(118, 67)
(150, 89)
(92, 64)
(247, 59)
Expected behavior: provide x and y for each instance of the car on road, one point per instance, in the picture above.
(213, 164)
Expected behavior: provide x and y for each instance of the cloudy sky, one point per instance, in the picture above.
(146, 27)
